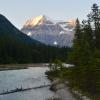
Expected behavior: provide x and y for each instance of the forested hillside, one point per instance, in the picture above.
(16, 47)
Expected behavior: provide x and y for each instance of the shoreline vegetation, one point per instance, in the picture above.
(58, 75)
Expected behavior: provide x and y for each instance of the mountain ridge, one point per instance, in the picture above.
(45, 30)
(37, 21)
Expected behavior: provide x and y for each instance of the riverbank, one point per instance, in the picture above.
(60, 87)
(20, 66)
(59, 75)
(65, 92)
(62, 90)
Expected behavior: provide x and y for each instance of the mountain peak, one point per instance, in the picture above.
(72, 22)
(50, 32)
(42, 16)
(39, 20)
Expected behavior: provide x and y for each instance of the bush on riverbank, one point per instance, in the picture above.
(57, 70)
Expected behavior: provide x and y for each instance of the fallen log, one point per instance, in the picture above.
(23, 89)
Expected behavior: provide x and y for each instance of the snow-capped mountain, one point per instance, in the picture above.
(50, 32)
(38, 21)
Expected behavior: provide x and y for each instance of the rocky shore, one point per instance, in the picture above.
(62, 90)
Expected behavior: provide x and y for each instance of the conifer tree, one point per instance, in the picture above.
(75, 54)
(82, 54)
(94, 17)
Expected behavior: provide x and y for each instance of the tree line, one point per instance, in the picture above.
(85, 55)
(13, 50)
(84, 75)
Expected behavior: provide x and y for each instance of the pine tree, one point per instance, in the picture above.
(87, 43)
(94, 17)
(82, 55)
(74, 57)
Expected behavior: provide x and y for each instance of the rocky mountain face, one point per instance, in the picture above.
(50, 32)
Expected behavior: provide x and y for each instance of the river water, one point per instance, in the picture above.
(25, 78)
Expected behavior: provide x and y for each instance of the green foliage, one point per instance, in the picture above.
(57, 69)
(15, 51)
(85, 75)
(85, 56)
(94, 17)
(75, 54)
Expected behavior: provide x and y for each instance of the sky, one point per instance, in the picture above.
(18, 11)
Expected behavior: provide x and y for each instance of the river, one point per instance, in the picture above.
(25, 78)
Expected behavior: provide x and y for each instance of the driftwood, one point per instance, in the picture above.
(22, 89)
